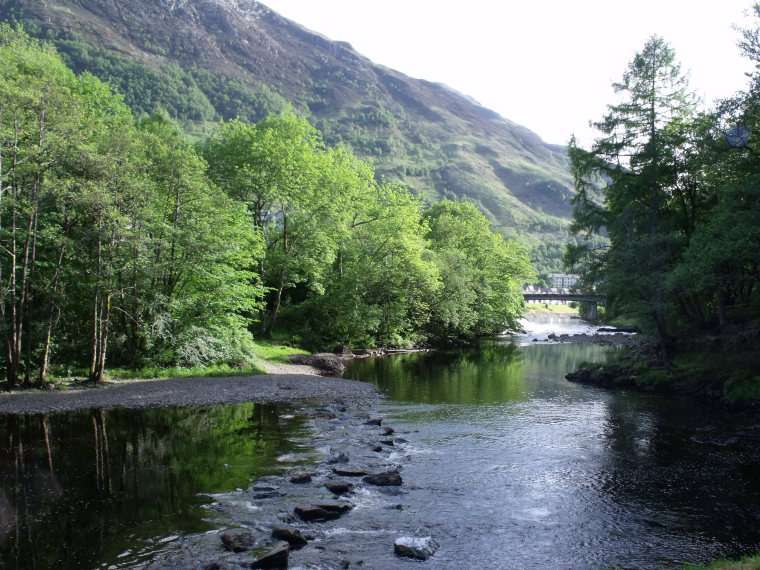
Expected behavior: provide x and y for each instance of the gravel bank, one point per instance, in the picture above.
(191, 392)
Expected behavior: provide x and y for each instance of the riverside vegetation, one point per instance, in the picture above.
(678, 194)
(123, 243)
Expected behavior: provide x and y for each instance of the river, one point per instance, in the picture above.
(506, 465)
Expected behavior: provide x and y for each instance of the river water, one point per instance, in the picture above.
(507, 465)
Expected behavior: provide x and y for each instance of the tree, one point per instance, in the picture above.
(276, 169)
(380, 285)
(56, 164)
(481, 273)
(637, 166)
(188, 279)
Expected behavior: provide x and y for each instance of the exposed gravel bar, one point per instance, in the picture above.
(191, 392)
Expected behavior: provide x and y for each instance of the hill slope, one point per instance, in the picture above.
(208, 59)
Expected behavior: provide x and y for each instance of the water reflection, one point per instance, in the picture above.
(493, 371)
(81, 489)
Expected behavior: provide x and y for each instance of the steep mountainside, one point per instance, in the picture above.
(208, 59)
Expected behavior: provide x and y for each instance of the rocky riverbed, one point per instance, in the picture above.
(607, 338)
(347, 508)
(342, 504)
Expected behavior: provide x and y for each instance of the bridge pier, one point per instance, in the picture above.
(593, 313)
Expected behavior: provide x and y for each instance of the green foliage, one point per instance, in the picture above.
(350, 260)
(114, 241)
(481, 273)
(120, 228)
(638, 162)
(679, 201)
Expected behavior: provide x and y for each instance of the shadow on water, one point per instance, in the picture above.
(82, 488)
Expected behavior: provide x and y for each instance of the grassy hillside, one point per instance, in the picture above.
(205, 60)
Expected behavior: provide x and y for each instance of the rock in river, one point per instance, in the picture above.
(238, 541)
(414, 547)
(290, 535)
(275, 558)
(301, 479)
(322, 513)
(339, 488)
(384, 479)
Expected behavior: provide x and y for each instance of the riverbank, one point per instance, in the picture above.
(721, 366)
(747, 563)
(265, 388)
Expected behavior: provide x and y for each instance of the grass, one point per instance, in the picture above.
(748, 563)
(271, 352)
(550, 309)
(264, 351)
(151, 373)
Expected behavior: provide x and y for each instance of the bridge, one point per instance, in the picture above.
(554, 294)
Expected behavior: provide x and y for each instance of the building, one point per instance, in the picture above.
(564, 280)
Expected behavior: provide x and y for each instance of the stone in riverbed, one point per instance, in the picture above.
(275, 558)
(290, 535)
(321, 513)
(373, 422)
(337, 458)
(301, 478)
(269, 494)
(349, 471)
(415, 547)
(384, 479)
(326, 363)
(239, 541)
(339, 488)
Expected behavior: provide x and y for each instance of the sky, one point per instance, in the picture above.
(545, 64)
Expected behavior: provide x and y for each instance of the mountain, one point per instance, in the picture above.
(203, 60)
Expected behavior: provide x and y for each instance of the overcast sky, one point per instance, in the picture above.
(547, 65)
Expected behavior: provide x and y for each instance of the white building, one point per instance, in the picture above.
(564, 280)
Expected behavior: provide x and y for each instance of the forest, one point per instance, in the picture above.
(676, 191)
(123, 243)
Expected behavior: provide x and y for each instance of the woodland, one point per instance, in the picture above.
(123, 243)
(676, 191)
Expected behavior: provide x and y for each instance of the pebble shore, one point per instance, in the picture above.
(265, 388)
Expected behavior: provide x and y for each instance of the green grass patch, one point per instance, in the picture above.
(742, 388)
(736, 371)
(272, 352)
(550, 309)
(748, 563)
(151, 373)
(264, 351)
